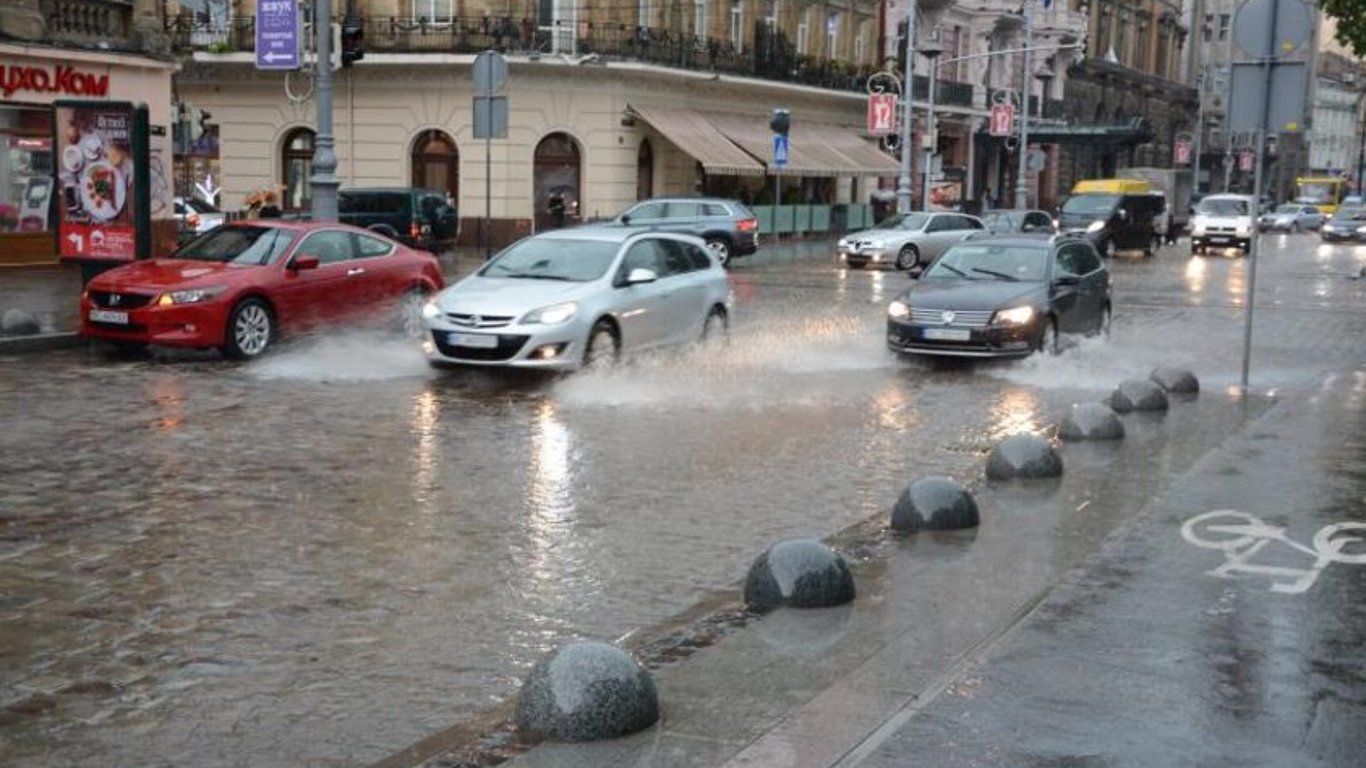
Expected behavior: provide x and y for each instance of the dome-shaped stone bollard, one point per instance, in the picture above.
(585, 691)
(936, 504)
(1023, 456)
(1091, 421)
(1174, 379)
(1138, 395)
(798, 573)
(17, 322)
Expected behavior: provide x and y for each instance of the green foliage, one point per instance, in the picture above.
(219, 47)
(1350, 16)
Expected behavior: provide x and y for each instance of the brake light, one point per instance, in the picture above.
(414, 230)
(748, 225)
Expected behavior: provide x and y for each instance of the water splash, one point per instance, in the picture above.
(356, 356)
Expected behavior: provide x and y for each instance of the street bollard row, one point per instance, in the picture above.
(585, 691)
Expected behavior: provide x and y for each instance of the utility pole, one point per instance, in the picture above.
(903, 185)
(1199, 125)
(1022, 170)
(324, 182)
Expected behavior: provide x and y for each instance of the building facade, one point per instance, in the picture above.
(50, 50)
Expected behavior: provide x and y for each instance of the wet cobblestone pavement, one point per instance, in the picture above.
(324, 556)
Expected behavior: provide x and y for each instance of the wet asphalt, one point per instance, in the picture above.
(325, 556)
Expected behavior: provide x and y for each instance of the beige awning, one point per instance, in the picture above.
(862, 153)
(815, 149)
(697, 136)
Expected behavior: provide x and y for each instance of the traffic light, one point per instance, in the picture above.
(204, 122)
(352, 42)
(781, 122)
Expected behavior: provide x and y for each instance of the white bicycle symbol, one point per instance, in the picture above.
(1241, 536)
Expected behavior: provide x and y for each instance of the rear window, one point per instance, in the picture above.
(712, 209)
(373, 202)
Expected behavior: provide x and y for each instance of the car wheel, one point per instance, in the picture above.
(854, 264)
(603, 347)
(907, 257)
(409, 320)
(720, 249)
(251, 328)
(1049, 343)
(716, 328)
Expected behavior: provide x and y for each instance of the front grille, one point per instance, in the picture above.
(122, 327)
(969, 318)
(1223, 229)
(508, 347)
(469, 320)
(119, 300)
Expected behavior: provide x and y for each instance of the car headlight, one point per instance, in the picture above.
(1095, 227)
(898, 310)
(430, 311)
(1361, 230)
(1013, 316)
(552, 315)
(189, 295)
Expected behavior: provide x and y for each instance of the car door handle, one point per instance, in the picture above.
(356, 271)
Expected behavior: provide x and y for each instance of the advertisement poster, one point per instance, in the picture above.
(946, 196)
(96, 176)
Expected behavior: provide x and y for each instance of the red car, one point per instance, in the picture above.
(243, 284)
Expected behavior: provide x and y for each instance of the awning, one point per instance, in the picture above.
(862, 154)
(807, 154)
(697, 136)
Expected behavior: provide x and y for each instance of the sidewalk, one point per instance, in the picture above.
(1075, 627)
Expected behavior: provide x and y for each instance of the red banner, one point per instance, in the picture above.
(881, 113)
(96, 174)
(1183, 152)
(1002, 120)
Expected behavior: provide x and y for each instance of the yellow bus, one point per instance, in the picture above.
(1325, 192)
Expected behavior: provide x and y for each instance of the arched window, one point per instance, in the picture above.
(296, 166)
(557, 163)
(436, 163)
(645, 171)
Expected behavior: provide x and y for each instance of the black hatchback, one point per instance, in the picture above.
(1003, 297)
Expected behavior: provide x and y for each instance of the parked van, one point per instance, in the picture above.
(1114, 214)
(1224, 221)
(418, 218)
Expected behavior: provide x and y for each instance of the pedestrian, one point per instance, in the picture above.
(270, 209)
(556, 208)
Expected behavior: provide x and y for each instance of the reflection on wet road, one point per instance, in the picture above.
(327, 555)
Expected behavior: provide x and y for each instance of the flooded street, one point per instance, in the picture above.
(324, 556)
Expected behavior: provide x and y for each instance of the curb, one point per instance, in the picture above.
(42, 342)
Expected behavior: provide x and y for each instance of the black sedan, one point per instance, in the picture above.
(1003, 297)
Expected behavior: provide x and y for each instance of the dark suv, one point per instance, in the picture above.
(728, 227)
(420, 218)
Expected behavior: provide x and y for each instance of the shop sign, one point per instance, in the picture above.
(98, 176)
(60, 78)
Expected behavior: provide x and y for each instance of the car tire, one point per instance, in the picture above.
(907, 257)
(603, 347)
(250, 330)
(1049, 342)
(409, 320)
(716, 327)
(854, 264)
(720, 248)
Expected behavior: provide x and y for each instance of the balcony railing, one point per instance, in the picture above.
(770, 57)
(91, 21)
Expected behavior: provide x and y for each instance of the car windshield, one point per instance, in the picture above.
(1090, 205)
(557, 258)
(1002, 220)
(1288, 209)
(249, 245)
(1222, 207)
(902, 221)
(1351, 214)
(991, 262)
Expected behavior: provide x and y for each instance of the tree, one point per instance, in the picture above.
(1350, 16)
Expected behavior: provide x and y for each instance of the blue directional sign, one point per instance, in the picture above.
(277, 34)
(779, 150)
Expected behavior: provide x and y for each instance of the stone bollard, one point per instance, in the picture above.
(1023, 456)
(1175, 380)
(936, 504)
(17, 322)
(798, 573)
(585, 691)
(1138, 395)
(1091, 421)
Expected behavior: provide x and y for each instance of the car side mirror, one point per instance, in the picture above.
(625, 220)
(915, 272)
(306, 261)
(639, 276)
(1123, 215)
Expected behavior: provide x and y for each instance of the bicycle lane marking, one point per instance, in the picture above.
(1242, 536)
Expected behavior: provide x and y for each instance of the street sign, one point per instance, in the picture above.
(1266, 29)
(1248, 95)
(1036, 160)
(1002, 120)
(1246, 161)
(881, 113)
(490, 72)
(780, 148)
(1182, 152)
(277, 34)
(490, 117)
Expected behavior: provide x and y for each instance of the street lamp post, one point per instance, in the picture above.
(1022, 169)
(931, 51)
(324, 182)
(1199, 126)
(903, 186)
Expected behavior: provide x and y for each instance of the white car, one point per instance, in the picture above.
(1291, 217)
(1223, 221)
(199, 216)
(581, 297)
(905, 240)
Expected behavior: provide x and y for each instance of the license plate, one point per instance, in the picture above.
(105, 316)
(948, 334)
(475, 340)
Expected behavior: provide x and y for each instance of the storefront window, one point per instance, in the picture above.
(25, 171)
(297, 167)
